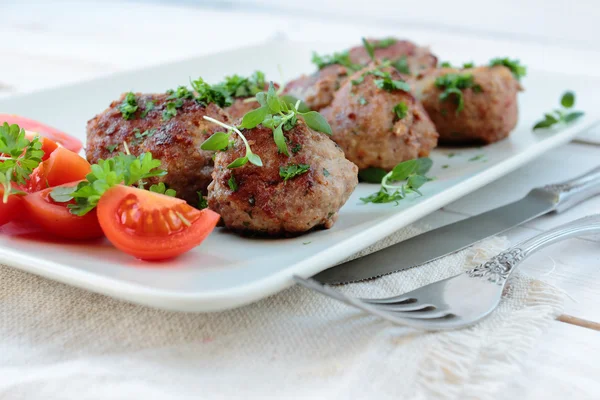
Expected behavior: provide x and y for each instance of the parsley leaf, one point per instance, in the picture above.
(515, 66)
(560, 116)
(149, 106)
(400, 109)
(240, 87)
(342, 59)
(18, 157)
(202, 201)
(129, 106)
(401, 65)
(162, 189)
(291, 171)
(232, 183)
(369, 48)
(384, 43)
(207, 93)
(454, 84)
(122, 169)
(411, 173)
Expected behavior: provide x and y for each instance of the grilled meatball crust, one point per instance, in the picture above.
(366, 127)
(317, 90)
(418, 58)
(240, 107)
(176, 142)
(489, 114)
(262, 202)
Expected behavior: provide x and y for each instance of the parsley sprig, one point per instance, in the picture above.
(275, 113)
(453, 85)
(560, 116)
(515, 66)
(342, 58)
(385, 81)
(129, 106)
(293, 170)
(123, 169)
(239, 87)
(18, 157)
(406, 177)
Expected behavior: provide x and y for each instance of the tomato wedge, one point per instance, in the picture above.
(55, 218)
(62, 167)
(11, 209)
(152, 226)
(44, 130)
(48, 145)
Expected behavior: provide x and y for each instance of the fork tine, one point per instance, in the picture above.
(426, 314)
(448, 322)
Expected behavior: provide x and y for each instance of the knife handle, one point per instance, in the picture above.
(574, 191)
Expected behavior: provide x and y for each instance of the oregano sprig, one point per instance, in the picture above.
(274, 113)
(405, 178)
(562, 115)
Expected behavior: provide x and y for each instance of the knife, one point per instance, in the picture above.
(451, 238)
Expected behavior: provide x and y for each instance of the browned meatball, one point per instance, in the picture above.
(240, 107)
(175, 141)
(377, 127)
(416, 59)
(258, 200)
(490, 110)
(317, 90)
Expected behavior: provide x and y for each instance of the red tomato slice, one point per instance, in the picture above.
(11, 209)
(54, 134)
(63, 166)
(48, 145)
(152, 226)
(55, 218)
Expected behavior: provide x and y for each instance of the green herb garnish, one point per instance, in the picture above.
(239, 87)
(139, 137)
(477, 157)
(406, 177)
(274, 113)
(111, 148)
(232, 183)
(400, 109)
(369, 48)
(560, 116)
(202, 201)
(162, 189)
(401, 65)
(149, 106)
(372, 175)
(123, 169)
(515, 66)
(18, 157)
(384, 43)
(129, 106)
(454, 84)
(206, 93)
(342, 59)
(293, 170)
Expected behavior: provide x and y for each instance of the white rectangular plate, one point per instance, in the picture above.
(227, 271)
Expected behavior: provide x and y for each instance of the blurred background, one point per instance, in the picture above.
(49, 43)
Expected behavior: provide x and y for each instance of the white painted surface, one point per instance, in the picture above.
(50, 45)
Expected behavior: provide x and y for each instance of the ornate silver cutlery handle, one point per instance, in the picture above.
(498, 269)
(567, 194)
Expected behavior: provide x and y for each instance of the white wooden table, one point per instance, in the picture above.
(49, 45)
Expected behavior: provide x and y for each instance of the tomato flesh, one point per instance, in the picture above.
(12, 209)
(152, 226)
(44, 130)
(62, 167)
(55, 218)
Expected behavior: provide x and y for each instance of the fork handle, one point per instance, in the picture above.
(499, 268)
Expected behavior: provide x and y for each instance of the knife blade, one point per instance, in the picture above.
(451, 238)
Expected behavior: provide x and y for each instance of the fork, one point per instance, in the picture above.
(466, 298)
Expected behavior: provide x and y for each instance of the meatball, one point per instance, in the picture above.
(255, 199)
(240, 107)
(175, 141)
(317, 90)
(413, 59)
(378, 127)
(490, 109)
